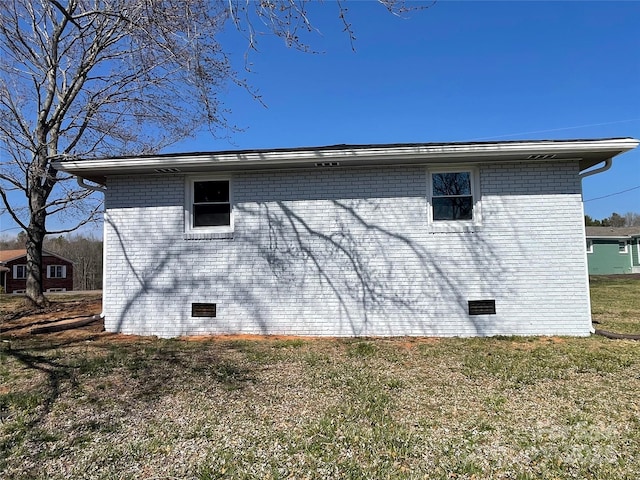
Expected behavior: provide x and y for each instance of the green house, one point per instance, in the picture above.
(613, 250)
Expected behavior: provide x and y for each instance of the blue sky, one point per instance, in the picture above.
(458, 71)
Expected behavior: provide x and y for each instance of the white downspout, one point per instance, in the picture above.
(101, 189)
(104, 259)
(607, 165)
(95, 188)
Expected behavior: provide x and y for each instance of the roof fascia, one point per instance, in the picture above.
(352, 155)
(609, 237)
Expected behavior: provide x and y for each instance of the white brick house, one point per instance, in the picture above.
(412, 239)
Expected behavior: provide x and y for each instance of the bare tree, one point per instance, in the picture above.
(632, 219)
(113, 77)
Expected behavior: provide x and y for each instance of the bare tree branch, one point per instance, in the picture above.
(64, 12)
(116, 77)
(10, 210)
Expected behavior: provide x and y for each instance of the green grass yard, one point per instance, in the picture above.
(97, 406)
(615, 303)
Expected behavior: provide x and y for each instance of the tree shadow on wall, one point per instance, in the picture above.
(166, 277)
(347, 261)
(381, 281)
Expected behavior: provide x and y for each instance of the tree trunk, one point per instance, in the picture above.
(34, 270)
(35, 238)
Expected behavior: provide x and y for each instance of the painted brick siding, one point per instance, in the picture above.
(350, 252)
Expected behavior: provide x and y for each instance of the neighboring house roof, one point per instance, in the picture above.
(612, 232)
(587, 152)
(9, 255)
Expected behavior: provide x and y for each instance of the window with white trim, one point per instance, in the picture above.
(622, 247)
(19, 271)
(208, 206)
(56, 271)
(589, 246)
(453, 196)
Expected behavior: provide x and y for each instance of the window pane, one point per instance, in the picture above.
(456, 208)
(211, 191)
(448, 184)
(211, 215)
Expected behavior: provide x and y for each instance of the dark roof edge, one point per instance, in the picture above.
(340, 146)
(611, 232)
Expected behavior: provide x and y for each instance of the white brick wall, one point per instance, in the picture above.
(350, 252)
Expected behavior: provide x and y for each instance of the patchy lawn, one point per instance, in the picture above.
(615, 303)
(88, 405)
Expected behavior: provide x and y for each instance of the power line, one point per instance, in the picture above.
(612, 194)
(555, 129)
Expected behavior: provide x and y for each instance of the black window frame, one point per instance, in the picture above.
(194, 203)
(469, 197)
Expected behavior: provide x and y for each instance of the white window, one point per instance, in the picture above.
(56, 271)
(52, 290)
(453, 196)
(19, 271)
(622, 247)
(208, 206)
(589, 246)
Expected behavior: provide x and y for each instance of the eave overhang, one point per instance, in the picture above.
(587, 152)
(610, 237)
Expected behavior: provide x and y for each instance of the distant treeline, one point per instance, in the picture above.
(629, 219)
(84, 252)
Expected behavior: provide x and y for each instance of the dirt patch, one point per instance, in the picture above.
(244, 336)
(17, 320)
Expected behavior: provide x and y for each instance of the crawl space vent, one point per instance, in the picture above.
(203, 309)
(482, 307)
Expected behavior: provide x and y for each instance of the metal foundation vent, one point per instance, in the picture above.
(203, 309)
(482, 307)
(328, 164)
